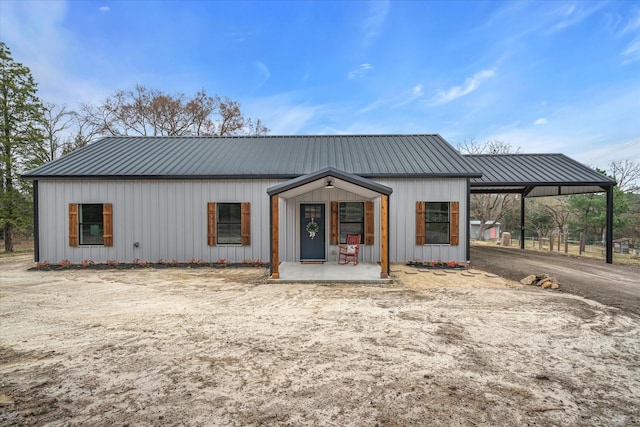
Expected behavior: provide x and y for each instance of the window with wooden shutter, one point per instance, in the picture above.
(246, 224)
(90, 224)
(369, 233)
(437, 223)
(211, 224)
(107, 221)
(335, 223)
(73, 224)
(455, 224)
(228, 224)
(351, 220)
(420, 222)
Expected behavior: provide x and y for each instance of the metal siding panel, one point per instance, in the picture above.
(166, 217)
(402, 217)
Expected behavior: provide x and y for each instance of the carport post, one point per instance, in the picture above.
(522, 221)
(609, 225)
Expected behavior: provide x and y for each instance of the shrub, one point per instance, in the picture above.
(44, 265)
(87, 263)
(65, 263)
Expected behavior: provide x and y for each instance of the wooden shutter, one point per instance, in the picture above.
(420, 213)
(73, 224)
(107, 224)
(369, 234)
(211, 224)
(334, 223)
(454, 225)
(245, 225)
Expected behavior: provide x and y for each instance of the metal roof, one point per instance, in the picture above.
(535, 175)
(336, 177)
(260, 157)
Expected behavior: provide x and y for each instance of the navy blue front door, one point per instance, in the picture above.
(312, 232)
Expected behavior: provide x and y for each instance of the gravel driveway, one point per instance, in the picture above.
(615, 285)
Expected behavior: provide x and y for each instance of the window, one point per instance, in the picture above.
(90, 224)
(228, 224)
(351, 220)
(436, 222)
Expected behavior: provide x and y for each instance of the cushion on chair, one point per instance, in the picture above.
(351, 249)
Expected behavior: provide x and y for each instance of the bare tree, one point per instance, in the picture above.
(57, 124)
(627, 174)
(471, 146)
(540, 220)
(150, 112)
(488, 207)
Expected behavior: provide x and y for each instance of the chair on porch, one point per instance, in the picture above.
(349, 251)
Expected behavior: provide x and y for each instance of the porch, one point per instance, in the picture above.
(330, 272)
(300, 202)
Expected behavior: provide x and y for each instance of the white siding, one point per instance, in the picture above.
(402, 218)
(167, 217)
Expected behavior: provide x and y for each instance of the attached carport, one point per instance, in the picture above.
(540, 175)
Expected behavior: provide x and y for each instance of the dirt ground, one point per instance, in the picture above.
(221, 347)
(614, 285)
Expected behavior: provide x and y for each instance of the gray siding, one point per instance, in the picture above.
(402, 227)
(167, 217)
(169, 220)
(402, 212)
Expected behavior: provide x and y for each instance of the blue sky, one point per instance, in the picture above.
(546, 76)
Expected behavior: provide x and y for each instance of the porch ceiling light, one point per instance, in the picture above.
(329, 184)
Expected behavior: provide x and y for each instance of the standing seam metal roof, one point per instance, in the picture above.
(260, 156)
(527, 169)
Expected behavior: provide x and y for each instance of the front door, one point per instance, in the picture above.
(312, 232)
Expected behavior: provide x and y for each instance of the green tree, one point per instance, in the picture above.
(590, 214)
(20, 118)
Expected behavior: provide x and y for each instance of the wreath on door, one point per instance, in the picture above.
(312, 228)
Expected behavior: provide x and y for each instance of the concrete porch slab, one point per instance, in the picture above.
(329, 272)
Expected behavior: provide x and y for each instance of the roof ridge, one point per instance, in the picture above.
(271, 136)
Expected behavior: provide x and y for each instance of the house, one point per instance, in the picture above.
(621, 246)
(249, 198)
(282, 199)
(492, 230)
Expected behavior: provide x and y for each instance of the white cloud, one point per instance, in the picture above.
(632, 51)
(471, 84)
(263, 71)
(104, 9)
(287, 113)
(375, 19)
(540, 121)
(397, 101)
(360, 72)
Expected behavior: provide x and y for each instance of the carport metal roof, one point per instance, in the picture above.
(539, 175)
(535, 175)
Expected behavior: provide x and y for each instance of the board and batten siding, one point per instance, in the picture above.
(168, 218)
(402, 217)
(291, 225)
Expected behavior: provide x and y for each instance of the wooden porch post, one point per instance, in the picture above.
(275, 261)
(384, 236)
